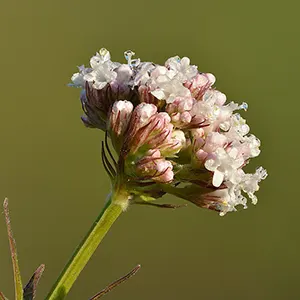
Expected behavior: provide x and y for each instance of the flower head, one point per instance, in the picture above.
(172, 131)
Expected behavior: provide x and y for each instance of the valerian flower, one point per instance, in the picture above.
(172, 131)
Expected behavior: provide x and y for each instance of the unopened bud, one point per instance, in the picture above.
(120, 116)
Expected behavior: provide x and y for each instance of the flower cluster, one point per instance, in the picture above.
(173, 132)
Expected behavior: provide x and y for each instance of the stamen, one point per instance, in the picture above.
(131, 62)
(244, 106)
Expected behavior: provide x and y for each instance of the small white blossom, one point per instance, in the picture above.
(78, 78)
(101, 75)
(143, 73)
(182, 68)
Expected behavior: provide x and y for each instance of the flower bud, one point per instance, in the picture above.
(200, 84)
(174, 145)
(151, 128)
(120, 116)
(151, 167)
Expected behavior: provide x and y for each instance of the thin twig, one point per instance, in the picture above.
(165, 205)
(13, 251)
(116, 283)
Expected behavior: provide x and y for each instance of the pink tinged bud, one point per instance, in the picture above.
(181, 120)
(200, 84)
(198, 143)
(160, 130)
(141, 115)
(164, 168)
(176, 118)
(180, 105)
(198, 133)
(201, 155)
(146, 96)
(185, 117)
(120, 116)
(211, 78)
(152, 167)
(214, 97)
(174, 145)
(154, 153)
(156, 130)
(221, 98)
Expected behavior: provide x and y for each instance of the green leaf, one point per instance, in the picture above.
(116, 283)
(30, 288)
(14, 257)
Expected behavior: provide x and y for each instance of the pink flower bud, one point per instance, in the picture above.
(200, 84)
(120, 116)
(167, 175)
(180, 105)
(142, 114)
(151, 129)
(174, 145)
(154, 167)
(201, 155)
(185, 117)
(146, 96)
(215, 97)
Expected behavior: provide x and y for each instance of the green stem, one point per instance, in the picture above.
(86, 248)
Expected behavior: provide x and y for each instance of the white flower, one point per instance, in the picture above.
(213, 141)
(102, 70)
(78, 78)
(184, 71)
(100, 58)
(101, 75)
(169, 90)
(224, 164)
(250, 182)
(124, 74)
(143, 73)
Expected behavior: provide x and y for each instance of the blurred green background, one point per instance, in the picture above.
(51, 168)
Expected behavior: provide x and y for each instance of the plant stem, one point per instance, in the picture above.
(86, 248)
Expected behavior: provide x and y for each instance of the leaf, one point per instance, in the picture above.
(13, 252)
(2, 297)
(30, 288)
(116, 283)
